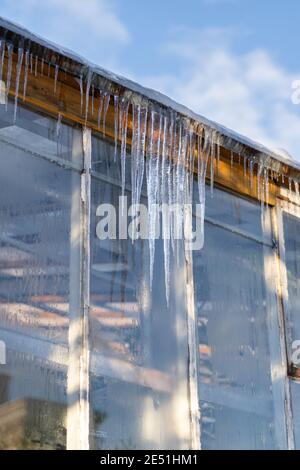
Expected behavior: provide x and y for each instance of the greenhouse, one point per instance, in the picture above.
(176, 330)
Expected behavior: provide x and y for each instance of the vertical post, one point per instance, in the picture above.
(277, 364)
(84, 363)
(75, 304)
(282, 287)
(192, 344)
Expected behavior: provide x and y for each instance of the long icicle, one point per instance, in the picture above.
(101, 99)
(151, 176)
(27, 54)
(124, 125)
(56, 77)
(87, 93)
(9, 70)
(165, 210)
(2, 53)
(105, 109)
(116, 123)
(141, 155)
(18, 73)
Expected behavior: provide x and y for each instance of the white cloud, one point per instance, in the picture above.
(247, 92)
(91, 27)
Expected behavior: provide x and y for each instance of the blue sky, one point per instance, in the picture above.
(233, 61)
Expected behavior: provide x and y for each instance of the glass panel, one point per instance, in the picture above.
(227, 209)
(36, 133)
(292, 259)
(235, 385)
(37, 201)
(139, 363)
(295, 395)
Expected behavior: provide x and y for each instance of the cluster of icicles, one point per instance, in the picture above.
(166, 148)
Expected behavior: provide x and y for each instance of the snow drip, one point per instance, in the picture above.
(167, 150)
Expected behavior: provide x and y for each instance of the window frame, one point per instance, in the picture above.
(286, 205)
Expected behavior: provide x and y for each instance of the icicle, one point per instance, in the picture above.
(259, 181)
(81, 93)
(152, 182)
(135, 148)
(58, 126)
(245, 167)
(171, 171)
(123, 130)
(218, 152)
(141, 155)
(9, 70)
(18, 73)
(105, 109)
(31, 63)
(175, 162)
(266, 185)
(116, 121)
(296, 184)
(181, 177)
(158, 161)
(101, 99)
(165, 209)
(93, 97)
(212, 169)
(27, 53)
(42, 66)
(202, 169)
(56, 77)
(49, 69)
(2, 52)
(251, 164)
(290, 188)
(36, 66)
(87, 93)
(192, 149)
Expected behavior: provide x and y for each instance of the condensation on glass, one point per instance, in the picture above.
(38, 215)
(139, 363)
(238, 399)
(291, 226)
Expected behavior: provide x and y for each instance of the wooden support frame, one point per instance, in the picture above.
(65, 100)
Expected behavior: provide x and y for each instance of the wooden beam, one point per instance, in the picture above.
(67, 102)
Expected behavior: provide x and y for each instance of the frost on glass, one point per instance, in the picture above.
(35, 241)
(292, 260)
(139, 390)
(234, 370)
(35, 133)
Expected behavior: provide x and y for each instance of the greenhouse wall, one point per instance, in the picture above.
(137, 386)
(115, 341)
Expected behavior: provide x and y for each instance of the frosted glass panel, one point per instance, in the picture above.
(295, 395)
(35, 133)
(232, 211)
(36, 200)
(139, 362)
(235, 386)
(292, 258)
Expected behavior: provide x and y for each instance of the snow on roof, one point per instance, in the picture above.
(233, 140)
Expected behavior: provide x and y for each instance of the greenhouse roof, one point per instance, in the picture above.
(76, 65)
